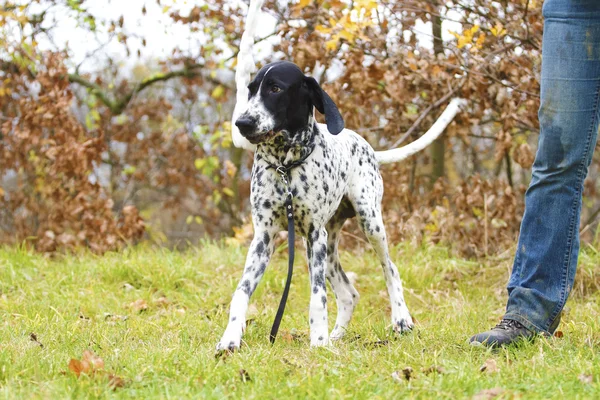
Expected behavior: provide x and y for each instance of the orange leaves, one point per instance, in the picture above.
(138, 306)
(89, 364)
(92, 365)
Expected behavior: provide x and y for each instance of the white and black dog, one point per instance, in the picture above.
(333, 175)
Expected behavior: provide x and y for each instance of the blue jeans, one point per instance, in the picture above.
(546, 257)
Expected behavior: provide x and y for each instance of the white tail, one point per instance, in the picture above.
(245, 68)
(394, 155)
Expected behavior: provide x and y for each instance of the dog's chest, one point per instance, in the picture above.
(317, 187)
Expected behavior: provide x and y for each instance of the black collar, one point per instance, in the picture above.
(286, 168)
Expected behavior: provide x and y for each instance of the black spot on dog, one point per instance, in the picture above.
(260, 249)
(246, 287)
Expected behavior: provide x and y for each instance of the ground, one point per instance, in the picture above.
(152, 317)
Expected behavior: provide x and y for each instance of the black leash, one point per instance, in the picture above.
(284, 172)
(289, 211)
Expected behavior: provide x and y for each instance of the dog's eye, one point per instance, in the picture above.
(275, 89)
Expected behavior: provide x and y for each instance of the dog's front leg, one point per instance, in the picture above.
(317, 264)
(257, 259)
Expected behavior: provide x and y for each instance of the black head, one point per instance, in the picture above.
(281, 98)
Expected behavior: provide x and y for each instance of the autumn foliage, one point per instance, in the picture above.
(104, 158)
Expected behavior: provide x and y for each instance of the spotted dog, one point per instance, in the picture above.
(336, 178)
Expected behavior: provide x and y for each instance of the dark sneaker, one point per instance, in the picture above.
(506, 332)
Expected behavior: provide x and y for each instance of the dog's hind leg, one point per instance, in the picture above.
(258, 257)
(345, 294)
(368, 210)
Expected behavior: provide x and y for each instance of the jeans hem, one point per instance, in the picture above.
(527, 323)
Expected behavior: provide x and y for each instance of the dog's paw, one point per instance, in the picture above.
(337, 333)
(319, 341)
(224, 348)
(403, 325)
(229, 343)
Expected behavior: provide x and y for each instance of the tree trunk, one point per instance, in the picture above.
(438, 148)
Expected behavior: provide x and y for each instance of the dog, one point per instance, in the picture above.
(333, 175)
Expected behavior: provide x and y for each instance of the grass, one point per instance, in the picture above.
(79, 302)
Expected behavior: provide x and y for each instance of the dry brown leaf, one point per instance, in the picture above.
(76, 366)
(138, 305)
(559, 334)
(33, 338)
(115, 381)
(586, 378)
(95, 362)
(434, 369)
(162, 302)
(89, 364)
(489, 366)
(488, 394)
(403, 376)
(244, 376)
(396, 376)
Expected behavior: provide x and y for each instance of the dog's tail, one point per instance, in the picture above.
(394, 155)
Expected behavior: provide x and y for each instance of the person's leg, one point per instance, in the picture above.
(546, 257)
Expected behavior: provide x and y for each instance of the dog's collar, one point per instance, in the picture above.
(286, 168)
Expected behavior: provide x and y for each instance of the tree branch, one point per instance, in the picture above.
(426, 112)
(117, 106)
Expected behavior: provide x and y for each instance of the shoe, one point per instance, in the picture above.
(506, 332)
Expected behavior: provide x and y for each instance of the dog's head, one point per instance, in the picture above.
(281, 98)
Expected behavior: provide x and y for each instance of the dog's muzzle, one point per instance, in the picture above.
(248, 128)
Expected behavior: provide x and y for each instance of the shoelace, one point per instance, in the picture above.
(508, 324)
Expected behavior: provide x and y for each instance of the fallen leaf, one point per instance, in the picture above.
(586, 378)
(408, 373)
(559, 334)
(286, 336)
(489, 366)
(33, 338)
(396, 376)
(115, 381)
(245, 376)
(76, 367)
(138, 305)
(112, 319)
(83, 317)
(434, 369)
(377, 343)
(291, 364)
(89, 364)
(488, 394)
(94, 360)
(162, 302)
(127, 287)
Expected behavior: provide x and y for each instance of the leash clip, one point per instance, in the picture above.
(283, 172)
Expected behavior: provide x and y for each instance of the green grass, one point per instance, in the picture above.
(79, 302)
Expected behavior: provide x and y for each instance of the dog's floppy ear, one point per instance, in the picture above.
(324, 104)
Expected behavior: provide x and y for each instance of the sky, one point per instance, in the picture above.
(161, 33)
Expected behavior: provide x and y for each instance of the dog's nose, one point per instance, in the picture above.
(246, 125)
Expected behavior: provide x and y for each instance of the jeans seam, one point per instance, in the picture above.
(574, 224)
